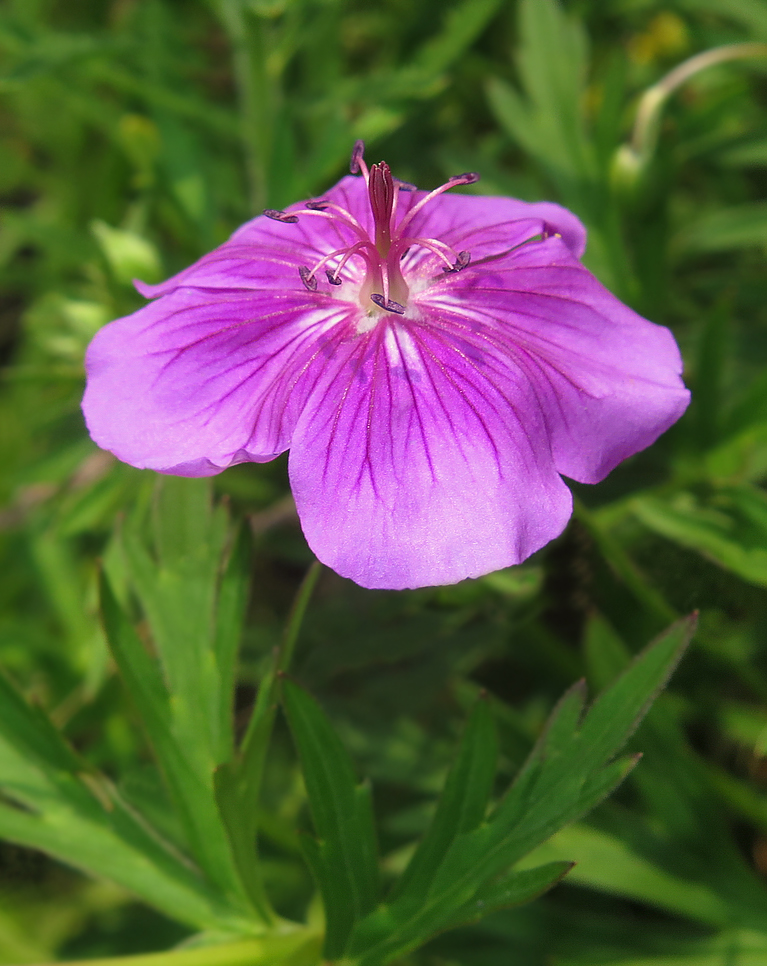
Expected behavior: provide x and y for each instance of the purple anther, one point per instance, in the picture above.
(460, 263)
(358, 152)
(548, 231)
(319, 205)
(282, 216)
(333, 279)
(390, 306)
(469, 177)
(405, 185)
(307, 278)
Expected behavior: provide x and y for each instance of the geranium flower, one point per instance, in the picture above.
(433, 362)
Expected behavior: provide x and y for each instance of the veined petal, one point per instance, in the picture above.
(199, 380)
(607, 381)
(266, 254)
(412, 465)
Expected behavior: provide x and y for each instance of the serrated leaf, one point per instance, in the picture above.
(344, 859)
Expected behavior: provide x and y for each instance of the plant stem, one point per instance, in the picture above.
(239, 784)
(254, 745)
(635, 155)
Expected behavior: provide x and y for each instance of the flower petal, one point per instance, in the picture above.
(199, 380)
(481, 224)
(266, 254)
(412, 465)
(607, 380)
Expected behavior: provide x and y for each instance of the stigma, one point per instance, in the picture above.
(384, 288)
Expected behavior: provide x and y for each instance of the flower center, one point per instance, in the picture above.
(384, 284)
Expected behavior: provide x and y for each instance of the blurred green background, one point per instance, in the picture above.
(136, 135)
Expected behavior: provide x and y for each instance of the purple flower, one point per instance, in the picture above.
(433, 363)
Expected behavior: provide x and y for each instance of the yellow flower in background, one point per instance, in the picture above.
(665, 36)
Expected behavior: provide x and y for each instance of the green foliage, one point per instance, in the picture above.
(459, 872)
(149, 751)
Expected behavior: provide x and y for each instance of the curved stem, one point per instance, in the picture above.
(647, 124)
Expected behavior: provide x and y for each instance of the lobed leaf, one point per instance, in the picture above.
(571, 770)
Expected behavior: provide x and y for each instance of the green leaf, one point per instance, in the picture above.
(571, 769)
(461, 806)
(344, 859)
(238, 782)
(548, 121)
(515, 889)
(730, 529)
(725, 229)
(474, 860)
(605, 862)
(181, 519)
(616, 713)
(232, 602)
(142, 678)
(194, 613)
(128, 255)
(71, 812)
(463, 24)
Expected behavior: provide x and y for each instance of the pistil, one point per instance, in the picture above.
(384, 285)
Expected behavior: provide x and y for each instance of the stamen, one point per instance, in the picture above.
(310, 282)
(434, 245)
(389, 305)
(282, 216)
(460, 263)
(326, 210)
(470, 177)
(357, 162)
(383, 253)
(361, 248)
